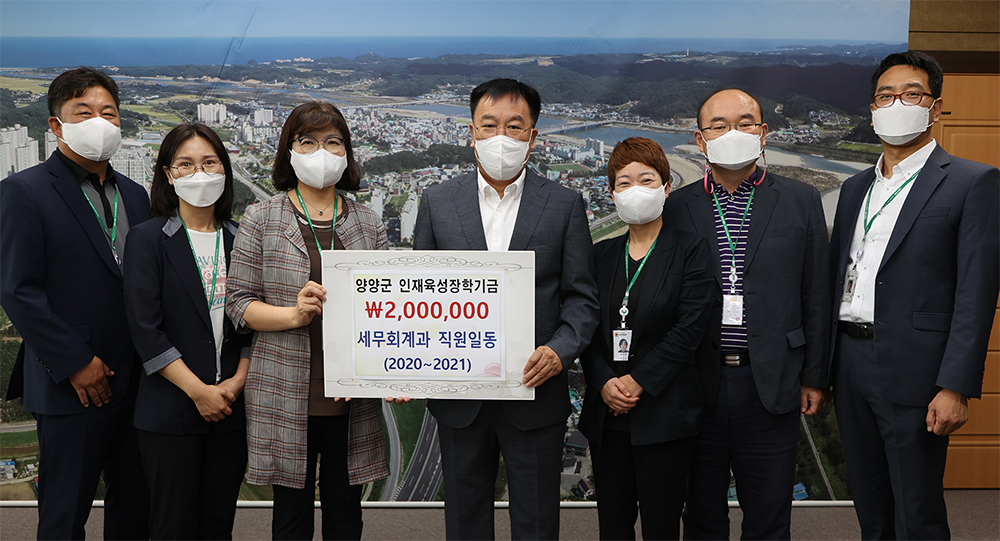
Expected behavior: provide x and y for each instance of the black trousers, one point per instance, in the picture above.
(74, 450)
(470, 457)
(653, 475)
(895, 466)
(194, 482)
(294, 508)
(759, 447)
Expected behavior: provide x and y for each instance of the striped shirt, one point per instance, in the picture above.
(734, 337)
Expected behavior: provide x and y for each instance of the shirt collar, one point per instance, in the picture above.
(743, 189)
(908, 167)
(82, 175)
(512, 190)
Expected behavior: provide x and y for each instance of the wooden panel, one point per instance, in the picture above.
(991, 377)
(995, 335)
(971, 97)
(954, 16)
(984, 417)
(972, 465)
(953, 41)
(976, 143)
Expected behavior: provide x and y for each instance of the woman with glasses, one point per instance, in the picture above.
(189, 409)
(643, 400)
(276, 290)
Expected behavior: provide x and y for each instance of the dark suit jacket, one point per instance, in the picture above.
(936, 287)
(552, 222)
(673, 311)
(785, 286)
(61, 285)
(169, 318)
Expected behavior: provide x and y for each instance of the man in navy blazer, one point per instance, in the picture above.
(769, 357)
(504, 206)
(917, 266)
(62, 235)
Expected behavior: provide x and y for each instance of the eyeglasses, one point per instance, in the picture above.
(489, 130)
(308, 145)
(721, 128)
(913, 97)
(185, 168)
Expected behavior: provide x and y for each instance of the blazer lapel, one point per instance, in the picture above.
(467, 209)
(606, 280)
(654, 271)
(703, 217)
(293, 233)
(764, 200)
(134, 205)
(923, 187)
(71, 192)
(529, 211)
(178, 253)
(853, 206)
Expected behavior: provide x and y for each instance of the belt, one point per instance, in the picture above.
(736, 359)
(857, 330)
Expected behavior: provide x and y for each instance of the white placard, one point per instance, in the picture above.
(428, 324)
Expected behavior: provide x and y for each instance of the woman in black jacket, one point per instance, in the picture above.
(657, 288)
(189, 410)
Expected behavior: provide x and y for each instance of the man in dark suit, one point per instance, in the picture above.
(769, 357)
(504, 206)
(62, 235)
(915, 255)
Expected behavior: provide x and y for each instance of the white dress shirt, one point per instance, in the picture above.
(498, 214)
(861, 306)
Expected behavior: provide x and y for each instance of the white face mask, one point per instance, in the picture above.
(321, 169)
(639, 204)
(501, 157)
(200, 189)
(95, 138)
(734, 150)
(899, 124)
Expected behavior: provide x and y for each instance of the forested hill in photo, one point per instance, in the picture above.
(659, 86)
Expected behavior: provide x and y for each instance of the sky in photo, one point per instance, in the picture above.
(883, 21)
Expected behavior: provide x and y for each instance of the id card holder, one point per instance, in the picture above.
(622, 342)
(850, 284)
(732, 309)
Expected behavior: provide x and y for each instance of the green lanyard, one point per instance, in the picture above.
(215, 270)
(624, 309)
(729, 238)
(333, 229)
(868, 223)
(104, 227)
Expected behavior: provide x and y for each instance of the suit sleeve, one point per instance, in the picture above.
(245, 280)
(23, 293)
(815, 296)
(677, 349)
(578, 291)
(423, 230)
(595, 366)
(978, 252)
(143, 275)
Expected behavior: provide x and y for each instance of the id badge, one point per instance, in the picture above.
(851, 283)
(622, 343)
(732, 309)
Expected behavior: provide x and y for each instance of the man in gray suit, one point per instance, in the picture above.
(768, 361)
(504, 206)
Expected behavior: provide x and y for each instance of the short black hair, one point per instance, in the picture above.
(312, 115)
(701, 105)
(507, 88)
(162, 197)
(918, 60)
(76, 82)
